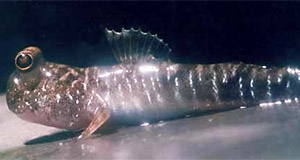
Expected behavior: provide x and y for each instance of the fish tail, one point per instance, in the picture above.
(246, 83)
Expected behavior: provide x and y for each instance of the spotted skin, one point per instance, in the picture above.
(75, 98)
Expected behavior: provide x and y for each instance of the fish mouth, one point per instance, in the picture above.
(28, 116)
(47, 119)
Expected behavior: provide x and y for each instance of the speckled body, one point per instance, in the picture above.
(159, 91)
(142, 88)
(68, 97)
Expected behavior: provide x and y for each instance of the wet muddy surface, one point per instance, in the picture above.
(270, 132)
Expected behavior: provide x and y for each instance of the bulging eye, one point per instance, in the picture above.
(24, 61)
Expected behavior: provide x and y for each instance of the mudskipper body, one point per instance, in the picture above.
(141, 88)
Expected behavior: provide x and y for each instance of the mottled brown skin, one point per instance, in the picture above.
(133, 93)
(65, 97)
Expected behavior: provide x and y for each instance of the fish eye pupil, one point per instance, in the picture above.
(24, 61)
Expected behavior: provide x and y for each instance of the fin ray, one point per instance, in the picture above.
(133, 46)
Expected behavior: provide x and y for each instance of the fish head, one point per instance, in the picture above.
(23, 81)
(48, 93)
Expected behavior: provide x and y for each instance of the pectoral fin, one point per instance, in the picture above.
(100, 118)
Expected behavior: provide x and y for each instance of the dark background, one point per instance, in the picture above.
(265, 33)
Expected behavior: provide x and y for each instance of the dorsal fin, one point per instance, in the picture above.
(133, 46)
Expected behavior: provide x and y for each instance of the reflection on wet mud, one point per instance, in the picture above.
(247, 133)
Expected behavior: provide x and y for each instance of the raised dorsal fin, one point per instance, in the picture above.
(134, 46)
